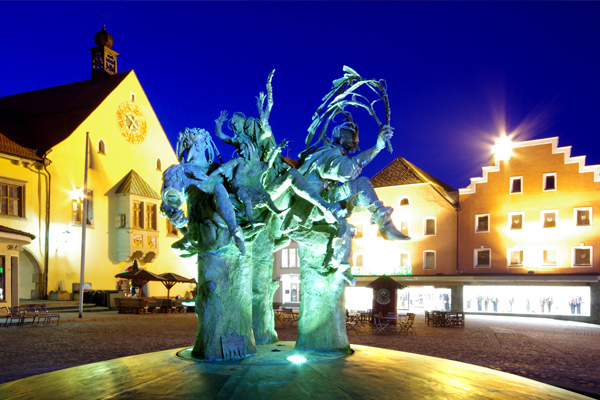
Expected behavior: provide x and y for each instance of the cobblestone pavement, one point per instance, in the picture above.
(561, 353)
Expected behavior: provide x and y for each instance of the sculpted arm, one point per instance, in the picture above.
(218, 128)
(365, 157)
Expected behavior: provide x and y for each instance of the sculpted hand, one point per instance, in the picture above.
(385, 134)
(221, 118)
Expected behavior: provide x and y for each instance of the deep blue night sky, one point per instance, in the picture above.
(458, 72)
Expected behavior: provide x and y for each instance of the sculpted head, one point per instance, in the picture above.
(346, 135)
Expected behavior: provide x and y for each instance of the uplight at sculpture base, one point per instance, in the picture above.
(368, 373)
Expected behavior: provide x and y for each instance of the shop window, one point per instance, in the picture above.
(429, 259)
(515, 220)
(516, 184)
(582, 256)
(482, 223)
(583, 216)
(12, 199)
(150, 217)
(2, 278)
(404, 228)
(549, 218)
(77, 208)
(483, 258)
(358, 233)
(405, 201)
(101, 147)
(550, 256)
(289, 258)
(404, 258)
(429, 226)
(171, 230)
(550, 182)
(515, 257)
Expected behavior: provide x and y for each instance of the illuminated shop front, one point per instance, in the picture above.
(410, 298)
(538, 300)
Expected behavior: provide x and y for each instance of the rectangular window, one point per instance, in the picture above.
(550, 182)
(358, 260)
(293, 260)
(136, 217)
(171, 230)
(150, 217)
(11, 199)
(358, 234)
(583, 216)
(482, 223)
(2, 278)
(429, 260)
(515, 220)
(550, 257)
(582, 256)
(404, 259)
(549, 218)
(404, 228)
(515, 257)
(516, 184)
(483, 258)
(77, 205)
(429, 227)
(289, 258)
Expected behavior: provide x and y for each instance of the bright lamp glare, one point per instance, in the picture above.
(296, 359)
(503, 148)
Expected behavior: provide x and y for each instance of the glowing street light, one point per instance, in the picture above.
(503, 148)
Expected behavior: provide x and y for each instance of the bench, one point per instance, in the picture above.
(127, 305)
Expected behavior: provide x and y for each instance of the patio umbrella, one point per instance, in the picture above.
(140, 277)
(170, 279)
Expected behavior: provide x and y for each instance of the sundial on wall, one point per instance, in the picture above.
(131, 122)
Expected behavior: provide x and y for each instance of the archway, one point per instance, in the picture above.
(30, 275)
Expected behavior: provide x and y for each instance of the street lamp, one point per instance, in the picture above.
(503, 148)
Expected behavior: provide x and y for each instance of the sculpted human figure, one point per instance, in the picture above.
(224, 297)
(332, 169)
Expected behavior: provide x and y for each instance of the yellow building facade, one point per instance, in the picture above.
(127, 152)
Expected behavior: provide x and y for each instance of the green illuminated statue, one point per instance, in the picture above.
(242, 211)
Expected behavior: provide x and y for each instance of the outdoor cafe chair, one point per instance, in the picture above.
(380, 325)
(5, 315)
(406, 327)
(43, 313)
(32, 312)
(16, 314)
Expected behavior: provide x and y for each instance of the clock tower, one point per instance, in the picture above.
(104, 60)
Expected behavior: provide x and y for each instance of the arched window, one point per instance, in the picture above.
(158, 164)
(404, 201)
(101, 147)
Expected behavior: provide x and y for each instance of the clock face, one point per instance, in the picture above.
(131, 122)
(383, 296)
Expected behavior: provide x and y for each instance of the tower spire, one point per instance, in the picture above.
(104, 59)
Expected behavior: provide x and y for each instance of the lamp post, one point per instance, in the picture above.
(83, 225)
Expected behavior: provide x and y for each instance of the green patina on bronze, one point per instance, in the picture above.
(235, 215)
